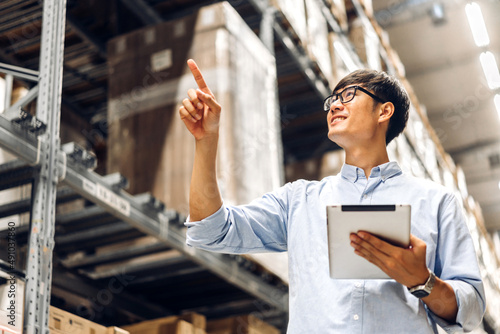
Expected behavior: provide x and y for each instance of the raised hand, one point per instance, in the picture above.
(200, 112)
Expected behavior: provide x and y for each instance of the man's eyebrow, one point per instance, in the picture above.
(344, 87)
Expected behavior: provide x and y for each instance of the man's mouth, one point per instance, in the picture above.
(337, 119)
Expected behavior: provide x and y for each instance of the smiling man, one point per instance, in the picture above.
(436, 281)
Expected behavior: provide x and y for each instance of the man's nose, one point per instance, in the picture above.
(336, 105)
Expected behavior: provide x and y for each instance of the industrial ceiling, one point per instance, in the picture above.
(435, 43)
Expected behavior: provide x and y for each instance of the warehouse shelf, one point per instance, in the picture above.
(139, 213)
(131, 227)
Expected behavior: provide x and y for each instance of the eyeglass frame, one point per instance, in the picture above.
(339, 96)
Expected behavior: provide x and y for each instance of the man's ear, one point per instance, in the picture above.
(385, 112)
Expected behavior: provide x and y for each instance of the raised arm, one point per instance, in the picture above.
(201, 115)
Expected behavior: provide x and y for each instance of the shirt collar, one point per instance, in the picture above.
(384, 171)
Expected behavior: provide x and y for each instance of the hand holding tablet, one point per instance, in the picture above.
(391, 223)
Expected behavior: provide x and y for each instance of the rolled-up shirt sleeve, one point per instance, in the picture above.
(260, 226)
(457, 265)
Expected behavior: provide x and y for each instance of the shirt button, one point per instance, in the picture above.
(356, 317)
(357, 285)
(365, 196)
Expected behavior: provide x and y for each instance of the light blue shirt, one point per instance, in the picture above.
(293, 219)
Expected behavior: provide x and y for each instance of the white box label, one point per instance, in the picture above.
(89, 187)
(161, 60)
(121, 45)
(149, 36)
(207, 17)
(113, 200)
(179, 29)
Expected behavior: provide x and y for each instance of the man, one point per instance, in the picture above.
(435, 281)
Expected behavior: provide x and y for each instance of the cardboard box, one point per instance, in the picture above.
(147, 141)
(339, 67)
(366, 44)
(339, 12)
(178, 327)
(246, 324)
(318, 39)
(295, 13)
(368, 7)
(116, 330)
(63, 322)
(170, 325)
(196, 319)
(308, 169)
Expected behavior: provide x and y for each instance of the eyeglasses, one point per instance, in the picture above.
(346, 95)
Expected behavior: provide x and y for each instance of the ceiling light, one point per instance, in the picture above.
(476, 23)
(490, 69)
(496, 99)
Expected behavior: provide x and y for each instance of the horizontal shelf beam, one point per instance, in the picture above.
(24, 205)
(164, 225)
(122, 254)
(18, 142)
(113, 290)
(19, 72)
(125, 207)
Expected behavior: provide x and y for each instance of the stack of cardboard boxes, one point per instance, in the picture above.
(189, 323)
(193, 323)
(306, 21)
(245, 324)
(149, 144)
(62, 322)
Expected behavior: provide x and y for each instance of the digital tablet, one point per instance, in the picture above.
(391, 223)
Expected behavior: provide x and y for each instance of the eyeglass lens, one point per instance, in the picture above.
(345, 96)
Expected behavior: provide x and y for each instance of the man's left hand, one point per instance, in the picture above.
(406, 265)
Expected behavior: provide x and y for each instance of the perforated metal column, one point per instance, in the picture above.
(41, 243)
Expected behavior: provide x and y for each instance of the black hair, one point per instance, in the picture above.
(387, 88)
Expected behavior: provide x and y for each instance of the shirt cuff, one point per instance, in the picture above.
(468, 316)
(207, 231)
(214, 216)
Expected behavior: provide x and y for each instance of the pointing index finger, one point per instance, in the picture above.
(200, 81)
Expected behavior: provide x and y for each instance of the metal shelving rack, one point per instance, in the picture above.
(66, 168)
(35, 141)
(52, 164)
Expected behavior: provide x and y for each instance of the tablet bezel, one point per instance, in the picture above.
(390, 222)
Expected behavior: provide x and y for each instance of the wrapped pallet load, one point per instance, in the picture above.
(147, 142)
(148, 79)
(318, 40)
(294, 12)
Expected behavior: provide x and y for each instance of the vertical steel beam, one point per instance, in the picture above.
(267, 37)
(41, 242)
(266, 28)
(9, 80)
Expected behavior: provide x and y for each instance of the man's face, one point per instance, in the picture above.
(354, 122)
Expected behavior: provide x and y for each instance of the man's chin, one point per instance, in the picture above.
(335, 138)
